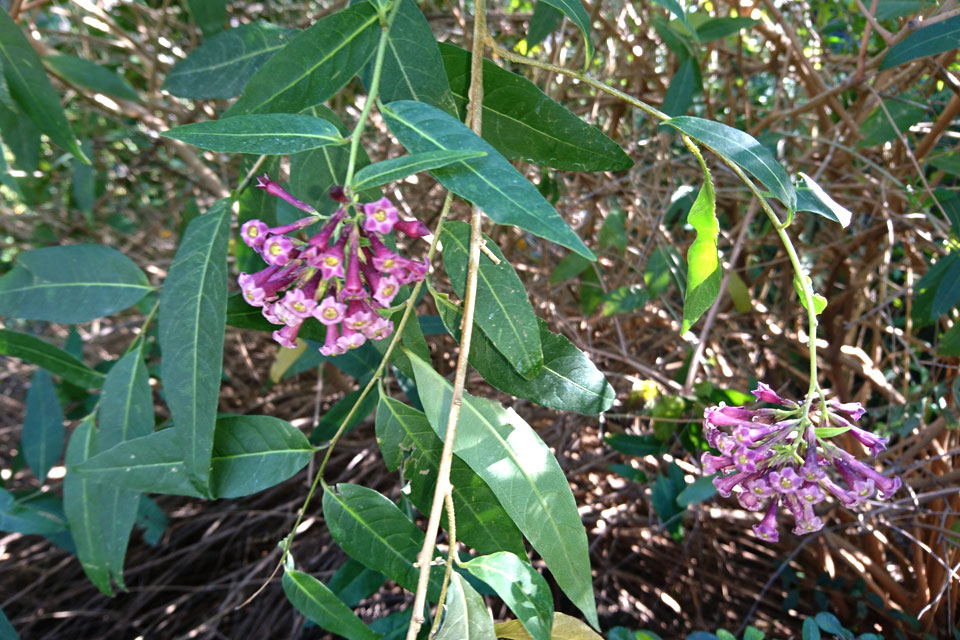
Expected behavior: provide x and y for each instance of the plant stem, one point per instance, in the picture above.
(372, 91)
(443, 486)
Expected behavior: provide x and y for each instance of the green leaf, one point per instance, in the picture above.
(465, 616)
(522, 472)
(406, 438)
(570, 266)
(20, 135)
(30, 87)
(543, 22)
(633, 445)
(26, 519)
(674, 7)
(717, 28)
(71, 283)
(819, 302)
(192, 310)
(372, 530)
(126, 412)
(925, 41)
(948, 291)
(250, 453)
(810, 629)
(837, 212)
(221, 66)
(83, 185)
(151, 519)
(697, 491)
(808, 200)
(43, 433)
(82, 503)
(412, 67)
(253, 453)
(353, 582)
(270, 134)
(742, 149)
(752, 633)
(613, 233)
(381, 173)
(564, 628)
(950, 342)
(829, 623)
(502, 310)
(7, 632)
(704, 276)
(664, 498)
(313, 599)
(490, 182)
(520, 586)
(878, 128)
(568, 381)
(523, 123)
(209, 15)
(53, 359)
(927, 287)
(314, 65)
(686, 82)
(242, 315)
(579, 16)
(89, 75)
(625, 299)
(888, 9)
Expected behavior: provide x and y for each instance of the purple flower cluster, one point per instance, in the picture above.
(341, 282)
(782, 457)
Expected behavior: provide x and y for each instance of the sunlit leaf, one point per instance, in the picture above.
(703, 261)
(520, 586)
(270, 134)
(465, 616)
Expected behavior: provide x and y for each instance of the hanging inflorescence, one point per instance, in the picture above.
(341, 282)
(783, 457)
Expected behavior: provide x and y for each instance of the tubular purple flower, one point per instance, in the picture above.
(379, 216)
(254, 232)
(267, 312)
(725, 485)
(723, 416)
(759, 487)
(353, 286)
(411, 270)
(764, 393)
(713, 464)
(274, 189)
(846, 498)
(322, 239)
(293, 226)
(767, 528)
(871, 441)
(287, 336)
(330, 347)
(746, 459)
(886, 486)
(384, 260)
(412, 228)
(330, 312)
(786, 480)
(278, 250)
(386, 290)
(350, 339)
(359, 315)
(378, 329)
(852, 410)
(299, 304)
(810, 493)
(749, 501)
(330, 262)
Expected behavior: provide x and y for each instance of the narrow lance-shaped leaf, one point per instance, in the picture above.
(684, 85)
(313, 599)
(406, 437)
(703, 261)
(579, 16)
(490, 182)
(314, 65)
(568, 381)
(522, 472)
(209, 15)
(220, 67)
(373, 530)
(43, 433)
(30, 87)
(742, 149)
(674, 7)
(268, 134)
(502, 312)
(82, 503)
(386, 171)
(90, 75)
(544, 21)
(466, 616)
(926, 41)
(520, 586)
(523, 123)
(192, 311)
(829, 207)
(52, 358)
(71, 283)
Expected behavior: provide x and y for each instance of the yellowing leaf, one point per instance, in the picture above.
(285, 358)
(564, 628)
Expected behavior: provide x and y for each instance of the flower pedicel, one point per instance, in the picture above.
(339, 282)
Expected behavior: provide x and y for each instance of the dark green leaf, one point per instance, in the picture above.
(579, 16)
(242, 315)
(686, 83)
(948, 292)
(703, 261)
(406, 438)
(925, 41)
(716, 28)
(752, 633)
(569, 381)
(680, 44)
(83, 185)
(7, 632)
(353, 582)
(89, 75)
(927, 287)
(949, 162)
(829, 623)
(465, 616)
(71, 283)
(625, 299)
(381, 173)
(664, 498)
(371, 529)
(810, 629)
(888, 9)
(520, 586)
(591, 291)
(53, 359)
(522, 472)
(209, 15)
(82, 503)
(633, 445)
(331, 421)
(502, 310)
(223, 64)
(30, 87)
(314, 65)
(543, 22)
(313, 599)
(824, 204)
(674, 7)
(570, 266)
(270, 133)
(412, 68)
(20, 135)
(950, 342)
(489, 182)
(878, 128)
(191, 316)
(699, 490)
(151, 519)
(613, 233)
(523, 123)
(742, 149)
(43, 433)
(26, 519)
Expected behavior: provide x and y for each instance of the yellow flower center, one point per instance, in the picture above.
(388, 263)
(388, 290)
(330, 313)
(253, 232)
(298, 306)
(276, 249)
(331, 261)
(380, 215)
